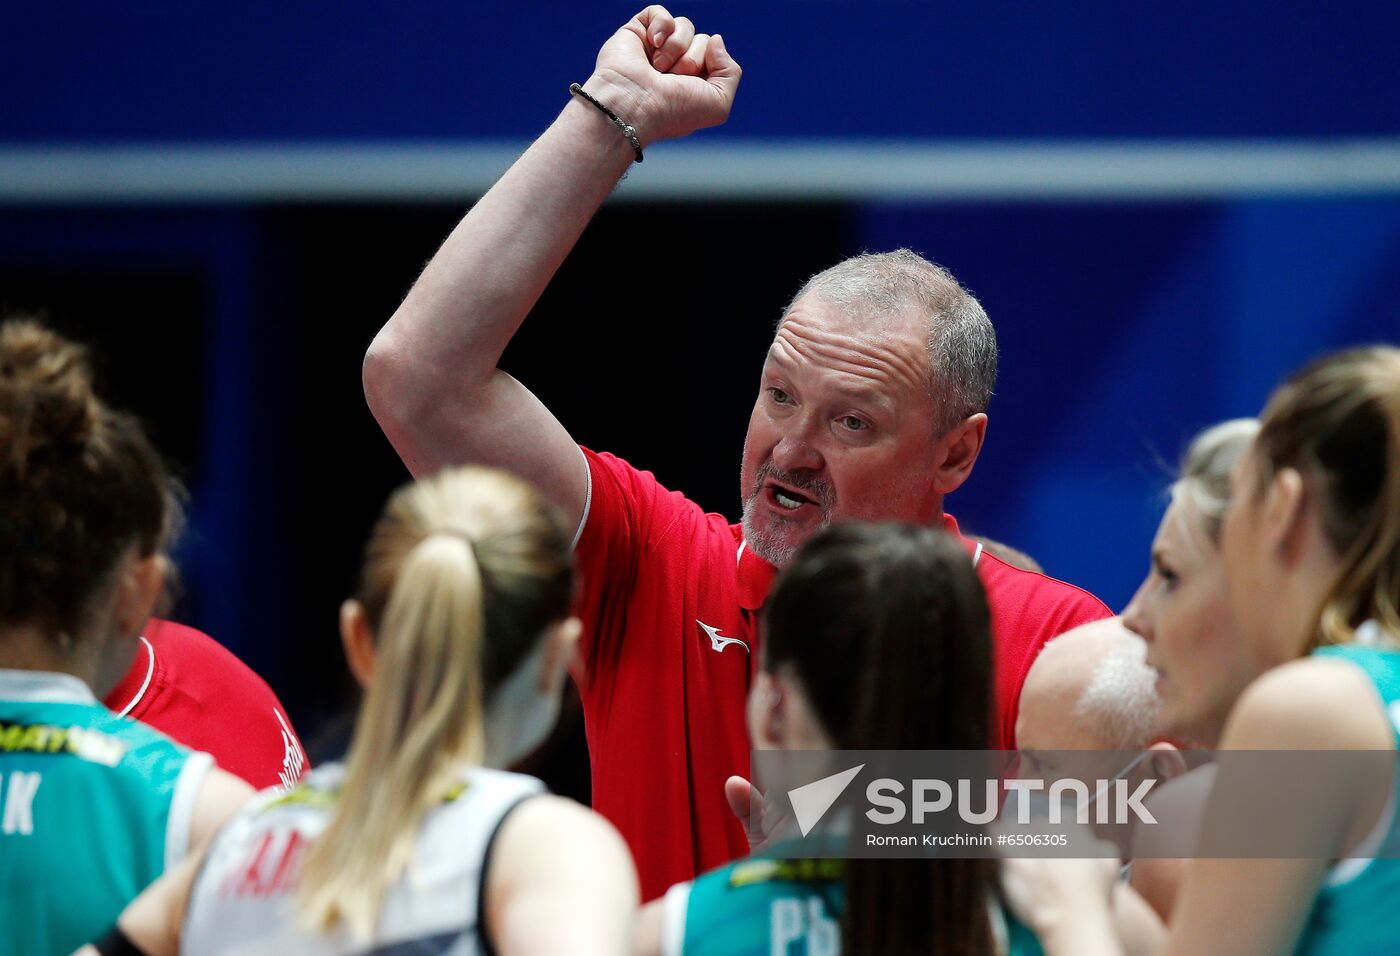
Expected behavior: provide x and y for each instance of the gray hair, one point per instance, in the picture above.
(962, 345)
(1206, 468)
(1120, 701)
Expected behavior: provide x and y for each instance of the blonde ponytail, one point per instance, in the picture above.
(1369, 586)
(463, 560)
(1338, 422)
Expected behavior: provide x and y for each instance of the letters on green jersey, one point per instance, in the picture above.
(767, 870)
(90, 745)
(19, 791)
(803, 920)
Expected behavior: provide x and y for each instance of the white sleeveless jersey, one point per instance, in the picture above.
(243, 898)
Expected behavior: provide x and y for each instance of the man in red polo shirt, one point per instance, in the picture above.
(192, 689)
(871, 406)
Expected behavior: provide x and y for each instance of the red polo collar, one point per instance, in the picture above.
(972, 546)
(755, 578)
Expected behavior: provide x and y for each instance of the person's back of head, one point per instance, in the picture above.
(1090, 689)
(83, 494)
(899, 608)
(886, 629)
(85, 508)
(1012, 556)
(1337, 422)
(463, 575)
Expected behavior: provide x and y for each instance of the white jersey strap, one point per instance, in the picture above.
(182, 806)
(1001, 934)
(674, 908)
(487, 947)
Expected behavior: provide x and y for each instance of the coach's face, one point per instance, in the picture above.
(843, 429)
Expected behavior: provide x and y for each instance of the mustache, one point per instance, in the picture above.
(818, 489)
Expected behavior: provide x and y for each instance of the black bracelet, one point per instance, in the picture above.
(628, 132)
(117, 943)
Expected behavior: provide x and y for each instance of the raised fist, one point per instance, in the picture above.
(663, 78)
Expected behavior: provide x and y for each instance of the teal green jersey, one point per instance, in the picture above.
(1356, 912)
(760, 906)
(92, 808)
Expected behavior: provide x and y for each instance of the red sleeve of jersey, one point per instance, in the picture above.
(203, 696)
(628, 512)
(1028, 609)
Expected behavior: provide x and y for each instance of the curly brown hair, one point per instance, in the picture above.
(80, 485)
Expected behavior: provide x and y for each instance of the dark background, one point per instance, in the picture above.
(237, 328)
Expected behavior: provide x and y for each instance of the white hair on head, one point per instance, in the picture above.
(1120, 702)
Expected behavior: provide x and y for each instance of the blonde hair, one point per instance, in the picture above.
(1206, 469)
(1337, 421)
(461, 575)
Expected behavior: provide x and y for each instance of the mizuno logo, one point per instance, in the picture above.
(718, 642)
(293, 757)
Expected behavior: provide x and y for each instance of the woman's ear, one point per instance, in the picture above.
(141, 586)
(560, 652)
(767, 723)
(358, 641)
(1166, 761)
(1285, 517)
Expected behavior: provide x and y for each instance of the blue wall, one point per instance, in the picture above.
(360, 70)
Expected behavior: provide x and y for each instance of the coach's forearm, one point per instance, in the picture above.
(447, 336)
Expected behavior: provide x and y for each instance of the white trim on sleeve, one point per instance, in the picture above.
(145, 684)
(675, 904)
(587, 499)
(1001, 933)
(182, 804)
